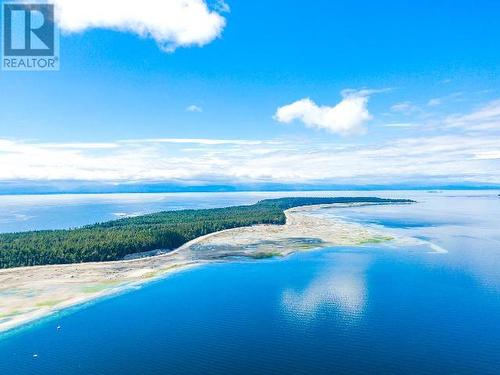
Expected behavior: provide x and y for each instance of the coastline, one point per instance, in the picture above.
(29, 294)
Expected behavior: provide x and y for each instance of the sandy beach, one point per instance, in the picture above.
(30, 293)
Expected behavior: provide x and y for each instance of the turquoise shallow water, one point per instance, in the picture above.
(371, 310)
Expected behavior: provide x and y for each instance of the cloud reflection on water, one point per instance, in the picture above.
(340, 288)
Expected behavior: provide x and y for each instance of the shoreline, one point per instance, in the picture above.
(27, 321)
(29, 294)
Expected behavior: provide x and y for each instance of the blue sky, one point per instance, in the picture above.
(423, 106)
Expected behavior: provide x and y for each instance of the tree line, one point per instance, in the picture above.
(164, 230)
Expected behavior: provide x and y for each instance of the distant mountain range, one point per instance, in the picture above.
(86, 187)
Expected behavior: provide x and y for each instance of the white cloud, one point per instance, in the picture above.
(222, 6)
(347, 117)
(435, 102)
(401, 125)
(172, 23)
(198, 141)
(406, 108)
(438, 159)
(79, 145)
(194, 108)
(456, 154)
(486, 117)
(488, 155)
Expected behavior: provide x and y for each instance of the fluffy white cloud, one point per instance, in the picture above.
(347, 117)
(172, 23)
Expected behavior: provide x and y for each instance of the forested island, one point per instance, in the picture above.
(114, 240)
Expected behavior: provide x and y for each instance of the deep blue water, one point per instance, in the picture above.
(370, 310)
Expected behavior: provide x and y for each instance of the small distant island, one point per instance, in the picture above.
(114, 240)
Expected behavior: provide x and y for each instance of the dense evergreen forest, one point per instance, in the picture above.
(164, 230)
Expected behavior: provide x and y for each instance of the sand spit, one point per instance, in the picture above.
(30, 293)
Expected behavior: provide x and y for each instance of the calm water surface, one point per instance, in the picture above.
(381, 309)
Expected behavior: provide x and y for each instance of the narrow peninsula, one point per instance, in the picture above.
(168, 230)
(49, 271)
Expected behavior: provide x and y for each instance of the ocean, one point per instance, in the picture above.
(430, 306)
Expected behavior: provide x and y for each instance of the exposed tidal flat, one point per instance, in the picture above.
(30, 293)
